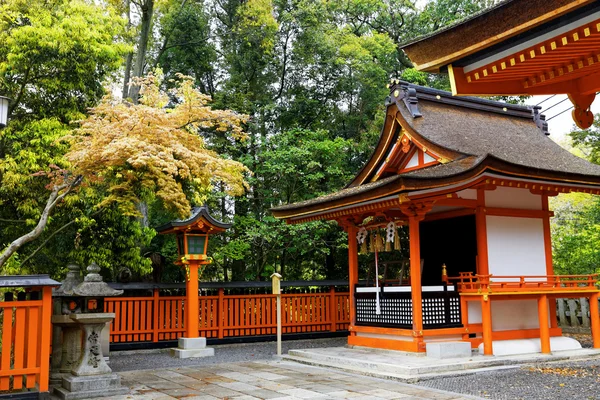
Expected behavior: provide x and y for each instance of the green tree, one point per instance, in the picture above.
(54, 59)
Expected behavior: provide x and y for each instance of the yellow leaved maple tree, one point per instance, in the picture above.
(154, 150)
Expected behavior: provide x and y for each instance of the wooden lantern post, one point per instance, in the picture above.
(192, 245)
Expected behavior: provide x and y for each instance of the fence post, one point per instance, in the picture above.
(561, 312)
(333, 308)
(155, 301)
(46, 330)
(221, 312)
(573, 312)
(584, 312)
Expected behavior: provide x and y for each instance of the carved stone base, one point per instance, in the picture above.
(192, 348)
(86, 387)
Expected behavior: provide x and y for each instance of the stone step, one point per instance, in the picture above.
(411, 368)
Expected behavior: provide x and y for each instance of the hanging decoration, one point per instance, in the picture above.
(390, 231)
(361, 237)
(397, 244)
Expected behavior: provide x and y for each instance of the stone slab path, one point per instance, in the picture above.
(267, 379)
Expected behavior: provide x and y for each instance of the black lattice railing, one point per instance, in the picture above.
(441, 309)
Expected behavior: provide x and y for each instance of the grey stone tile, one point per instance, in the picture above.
(303, 393)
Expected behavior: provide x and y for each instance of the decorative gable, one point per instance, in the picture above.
(406, 155)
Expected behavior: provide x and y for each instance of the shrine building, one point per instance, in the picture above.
(468, 180)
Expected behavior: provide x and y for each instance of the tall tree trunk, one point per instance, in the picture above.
(147, 9)
(128, 58)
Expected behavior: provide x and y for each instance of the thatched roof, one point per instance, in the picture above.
(477, 134)
(506, 21)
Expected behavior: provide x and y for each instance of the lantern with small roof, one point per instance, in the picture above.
(192, 245)
(192, 235)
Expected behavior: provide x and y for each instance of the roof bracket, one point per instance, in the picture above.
(540, 120)
(408, 95)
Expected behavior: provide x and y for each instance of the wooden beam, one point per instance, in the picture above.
(481, 234)
(352, 271)
(415, 277)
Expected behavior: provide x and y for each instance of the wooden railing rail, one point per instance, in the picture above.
(159, 318)
(25, 332)
(468, 282)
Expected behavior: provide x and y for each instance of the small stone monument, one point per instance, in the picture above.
(66, 335)
(91, 376)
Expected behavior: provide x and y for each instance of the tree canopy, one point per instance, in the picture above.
(310, 76)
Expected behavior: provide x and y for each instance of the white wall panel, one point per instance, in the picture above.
(507, 197)
(515, 246)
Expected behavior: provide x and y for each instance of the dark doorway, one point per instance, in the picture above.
(451, 241)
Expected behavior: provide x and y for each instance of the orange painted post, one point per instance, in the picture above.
(191, 301)
(7, 341)
(486, 320)
(19, 346)
(33, 337)
(333, 306)
(155, 318)
(415, 277)
(543, 318)
(481, 233)
(595, 320)
(547, 235)
(352, 272)
(221, 312)
(45, 338)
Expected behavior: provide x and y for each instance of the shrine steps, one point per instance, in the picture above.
(410, 367)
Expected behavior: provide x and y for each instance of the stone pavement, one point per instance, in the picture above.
(268, 379)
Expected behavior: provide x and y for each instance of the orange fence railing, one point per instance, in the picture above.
(469, 282)
(25, 338)
(158, 318)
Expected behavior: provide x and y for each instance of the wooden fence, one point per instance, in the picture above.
(25, 333)
(158, 318)
(573, 313)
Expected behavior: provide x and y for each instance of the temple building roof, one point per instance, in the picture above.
(431, 140)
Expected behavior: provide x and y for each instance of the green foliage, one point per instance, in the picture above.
(55, 55)
(588, 140)
(576, 233)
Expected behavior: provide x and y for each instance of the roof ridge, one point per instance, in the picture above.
(399, 90)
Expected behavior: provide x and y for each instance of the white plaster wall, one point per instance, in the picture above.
(470, 194)
(508, 197)
(474, 312)
(514, 314)
(414, 161)
(507, 314)
(515, 246)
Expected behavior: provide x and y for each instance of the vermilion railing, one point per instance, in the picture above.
(25, 333)
(159, 318)
(468, 282)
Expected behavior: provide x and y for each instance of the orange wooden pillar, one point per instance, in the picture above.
(481, 233)
(45, 336)
(352, 272)
(486, 320)
(548, 255)
(595, 317)
(415, 278)
(192, 307)
(543, 319)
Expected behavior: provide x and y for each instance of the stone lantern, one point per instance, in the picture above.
(90, 376)
(192, 244)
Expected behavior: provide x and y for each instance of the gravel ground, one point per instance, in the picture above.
(574, 380)
(144, 359)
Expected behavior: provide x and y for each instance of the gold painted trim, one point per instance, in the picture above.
(448, 59)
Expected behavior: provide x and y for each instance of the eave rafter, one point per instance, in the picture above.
(572, 54)
(567, 63)
(405, 202)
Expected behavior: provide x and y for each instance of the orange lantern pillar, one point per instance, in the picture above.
(192, 245)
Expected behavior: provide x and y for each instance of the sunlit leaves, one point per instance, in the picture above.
(146, 151)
